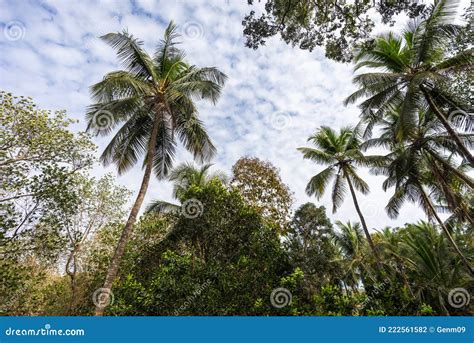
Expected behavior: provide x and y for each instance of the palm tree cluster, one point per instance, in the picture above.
(417, 260)
(407, 101)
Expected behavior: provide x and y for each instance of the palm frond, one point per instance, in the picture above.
(160, 206)
(131, 55)
(318, 183)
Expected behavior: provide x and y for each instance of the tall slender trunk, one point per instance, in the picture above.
(402, 273)
(119, 251)
(456, 172)
(72, 275)
(362, 220)
(448, 192)
(446, 231)
(448, 126)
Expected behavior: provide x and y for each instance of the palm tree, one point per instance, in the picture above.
(341, 153)
(424, 145)
(413, 70)
(431, 263)
(411, 173)
(390, 240)
(153, 100)
(459, 218)
(183, 177)
(349, 240)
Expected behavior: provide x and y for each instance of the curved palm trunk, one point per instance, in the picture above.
(362, 220)
(448, 127)
(446, 231)
(119, 251)
(456, 172)
(455, 208)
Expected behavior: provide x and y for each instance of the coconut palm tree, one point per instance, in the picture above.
(152, 100)
(390, 240)
(341, 153)
(412, 176)
(414, 70)
(184, 176)
(353, 248)
(431, 263)
(425, 145)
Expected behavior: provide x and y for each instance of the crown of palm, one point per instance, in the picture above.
(408, 64)
(163, 85)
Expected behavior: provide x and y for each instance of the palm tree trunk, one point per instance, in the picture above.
(448, 127)
(446, 231)
(456, 172)
(448, 192)
(119, 251)
(362, 220)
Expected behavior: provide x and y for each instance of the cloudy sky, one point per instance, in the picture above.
(274, 98)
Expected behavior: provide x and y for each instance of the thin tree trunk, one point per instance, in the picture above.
(448, 127)
(119, 251)
(454, 207)
(446, 231)
(402, 273)
(456, 172)
(72, 276)
(362, 220)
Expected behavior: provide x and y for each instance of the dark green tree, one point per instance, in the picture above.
(309, 246)
(339, 26)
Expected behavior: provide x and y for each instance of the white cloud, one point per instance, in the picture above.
(60, 56)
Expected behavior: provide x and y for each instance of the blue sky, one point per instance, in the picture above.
(274, 98)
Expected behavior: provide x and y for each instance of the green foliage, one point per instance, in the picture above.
(308, 242)
(38, 159)
(39, 162)
(339, 26)
(260, 184)
(233, 248)
(152, 99)
(227, 254)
